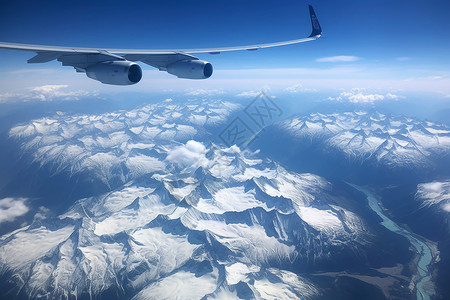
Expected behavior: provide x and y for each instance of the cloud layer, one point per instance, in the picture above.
(45, 93)
(358, 95)
(339, 58)
(12, 208)
(434, 193)
(190, 155)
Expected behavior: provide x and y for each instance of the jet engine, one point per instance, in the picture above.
(190, 69)
(115, 72)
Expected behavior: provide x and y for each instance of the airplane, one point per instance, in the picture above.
(118, 67)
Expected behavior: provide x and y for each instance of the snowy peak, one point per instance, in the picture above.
(388, 140)
(434, 194)
(225, 224)
(117, 146)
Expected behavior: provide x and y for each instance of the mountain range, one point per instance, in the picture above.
(387, 140)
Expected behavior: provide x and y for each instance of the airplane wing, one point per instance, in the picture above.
(178, 62)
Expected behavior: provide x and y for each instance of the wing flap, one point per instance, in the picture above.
(81, 61)
(43, 57)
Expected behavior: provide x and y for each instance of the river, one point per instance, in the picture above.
(419, 245)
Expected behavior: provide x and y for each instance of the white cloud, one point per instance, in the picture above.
(339, 58)
(432, 187)
(50, 92)
(432, 193)
(299, 88)
(362, 98)
(446, 207)
(12, 208)
(45, 93)
(403, 58)
(204, 92)
(248, 94)
(253, 93)
(42, 213)
(391, 96)
(192, 154)
(357, 95)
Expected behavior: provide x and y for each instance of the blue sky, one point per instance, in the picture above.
(391, 46)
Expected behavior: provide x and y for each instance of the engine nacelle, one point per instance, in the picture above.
(191, 69)
(115, 72)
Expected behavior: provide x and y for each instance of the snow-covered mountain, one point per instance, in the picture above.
(117, 146)
(214, 222)
(392, 141)
(434, 206)
(434, 194)
(183, 216)
(180, 215)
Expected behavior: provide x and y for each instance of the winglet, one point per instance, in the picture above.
(316, 29)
